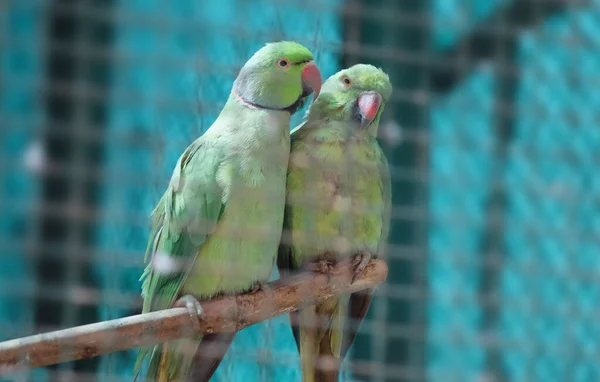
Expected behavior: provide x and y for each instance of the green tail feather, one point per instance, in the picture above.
(179, 353)
(157, 217)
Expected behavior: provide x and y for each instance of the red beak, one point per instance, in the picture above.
(368, 105)
(311, 79)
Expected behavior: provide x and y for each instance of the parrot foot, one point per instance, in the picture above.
(323, 266)
(264, 287)
(260, 286)
(360, 262)
(194, 308)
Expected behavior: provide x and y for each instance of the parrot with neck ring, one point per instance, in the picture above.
(216, 229)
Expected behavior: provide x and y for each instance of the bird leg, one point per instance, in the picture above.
(194, 308)
(264, 287)
(258, 286)
(323, 266)
(360, 262)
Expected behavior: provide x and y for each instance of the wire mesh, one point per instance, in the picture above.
(491, 136)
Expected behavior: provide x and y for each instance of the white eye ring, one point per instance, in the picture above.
(346, 81)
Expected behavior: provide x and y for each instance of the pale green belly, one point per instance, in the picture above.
(336, 233)
(242, 250)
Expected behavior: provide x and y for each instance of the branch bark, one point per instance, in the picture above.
(224, 314)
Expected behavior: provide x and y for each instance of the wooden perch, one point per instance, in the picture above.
(225, 314)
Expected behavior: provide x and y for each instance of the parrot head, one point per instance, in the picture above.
(279, 76)
(357, 94)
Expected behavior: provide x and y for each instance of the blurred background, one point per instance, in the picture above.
(492, 136)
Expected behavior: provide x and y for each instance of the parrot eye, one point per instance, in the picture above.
(346, 81)
(283, 63)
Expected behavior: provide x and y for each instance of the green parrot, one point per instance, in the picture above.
(337, 207)
(217, 227)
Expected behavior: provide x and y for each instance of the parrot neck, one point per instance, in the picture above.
(255, 106)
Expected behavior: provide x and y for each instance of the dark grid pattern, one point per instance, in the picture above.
(491, 137)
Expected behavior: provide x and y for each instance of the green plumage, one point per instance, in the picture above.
(338, 205)
(217, 226)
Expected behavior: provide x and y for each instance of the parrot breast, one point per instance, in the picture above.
(242, 249)
(335, 197)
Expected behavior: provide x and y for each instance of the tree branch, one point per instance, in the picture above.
(224, 314)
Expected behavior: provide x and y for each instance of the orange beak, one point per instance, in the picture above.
(311, 80)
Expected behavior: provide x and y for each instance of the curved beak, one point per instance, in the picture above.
(368, 106)
(311, 80)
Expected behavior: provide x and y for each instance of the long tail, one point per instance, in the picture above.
(171, 361)
(188, 359)
(308, 342)
(325, 332)
(209, 355)
(320, 339)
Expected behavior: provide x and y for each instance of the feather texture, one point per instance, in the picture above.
(337, 205)
(217, 226)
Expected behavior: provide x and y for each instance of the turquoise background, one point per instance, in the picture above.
(171, 74)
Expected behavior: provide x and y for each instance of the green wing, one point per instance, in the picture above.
(359, 303)
(185, 216)
(386, 190)
(181, 222)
